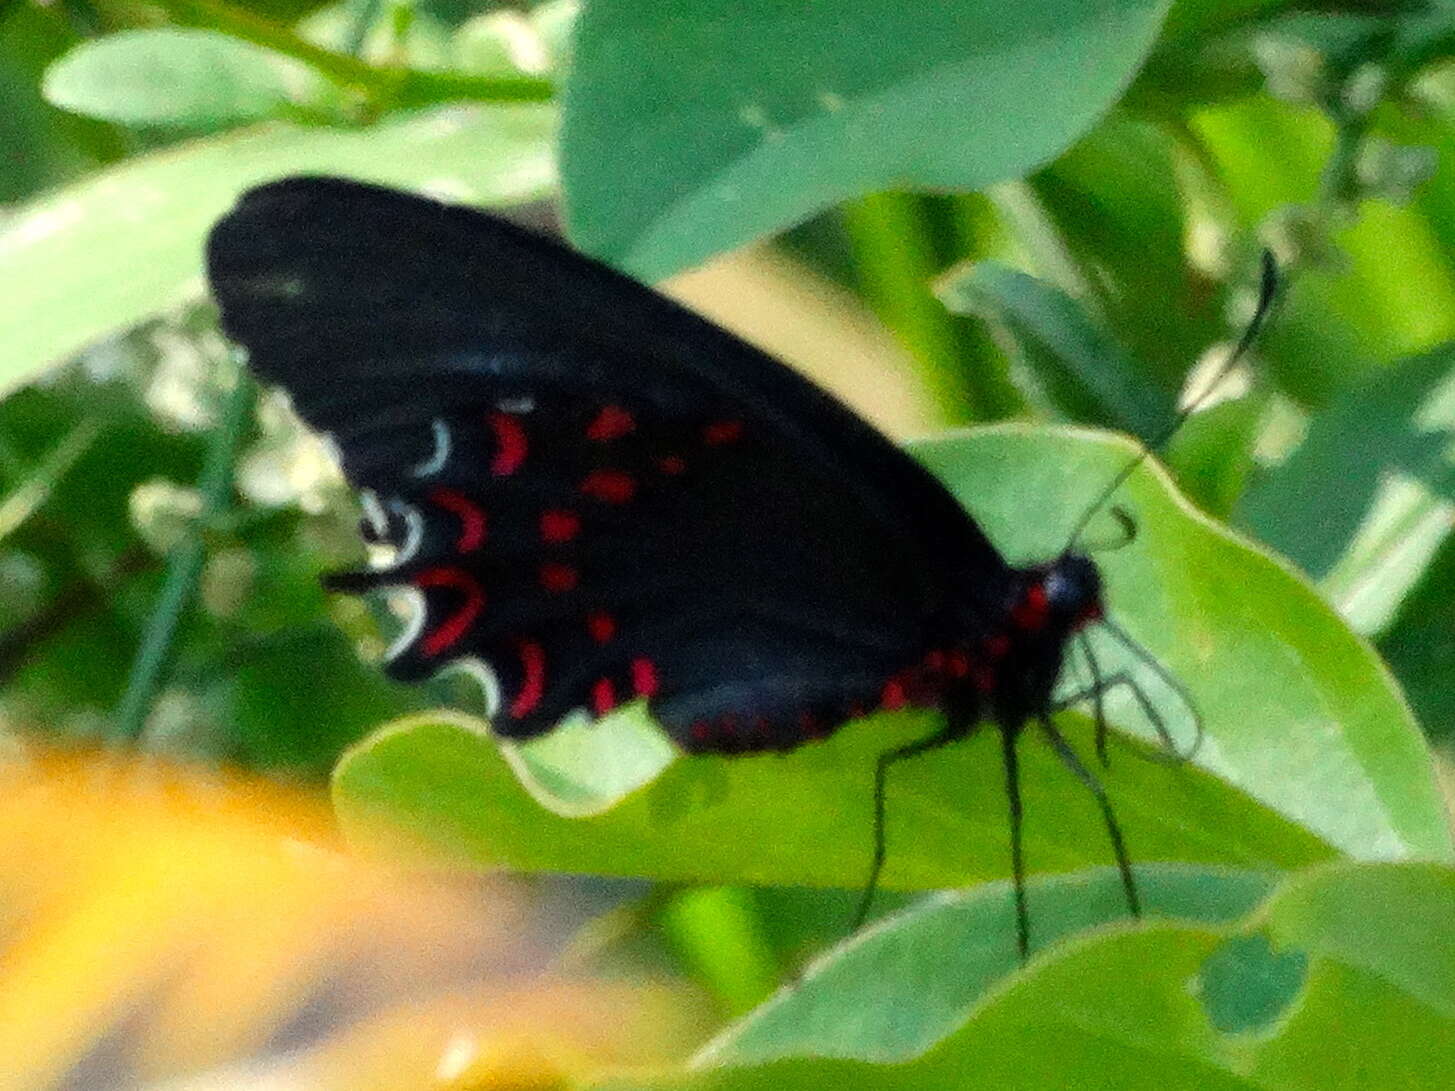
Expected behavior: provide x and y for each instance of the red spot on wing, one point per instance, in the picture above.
(609, 486)
(893, 695)
(559, 526)
(612, 422)
(558, 577)
(448, 632)
(958, 664)
(672, 465)
(603, 696)
(472, 518)
(998, 646)
(533, 667)
(510, 444)
(601, 626)
(722, 431)
(644, 677)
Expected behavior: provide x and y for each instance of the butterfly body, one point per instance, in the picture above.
(601, 497)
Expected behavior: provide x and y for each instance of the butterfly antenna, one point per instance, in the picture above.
(1267, 291)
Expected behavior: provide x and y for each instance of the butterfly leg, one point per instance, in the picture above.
(1096, 693)
(1098, 699)
(1087, 777)
(881, 773)
(1017, 856)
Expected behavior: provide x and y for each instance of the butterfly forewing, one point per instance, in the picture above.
(593, 491)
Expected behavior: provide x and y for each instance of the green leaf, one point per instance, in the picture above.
(1122, 213)
(189, 79)
(1212, 454)
(1062, 353)
(892, 991)
(1130, 1007)
(691, 129)
(1387, 444)
(127, 242)
(1299, 714)
(1420, 645)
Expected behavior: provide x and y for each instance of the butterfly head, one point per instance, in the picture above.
(1072, 587)
(1055, 600)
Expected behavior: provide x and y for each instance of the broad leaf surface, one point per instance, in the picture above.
(668, 160)
(890, 992)
(1365, 999)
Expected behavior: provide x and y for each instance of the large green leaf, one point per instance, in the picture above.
(1264, 1003)
(690, 129)
(1300, 716)
(126, 242)
(892, 991)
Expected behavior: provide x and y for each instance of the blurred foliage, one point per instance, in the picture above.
(163, 523)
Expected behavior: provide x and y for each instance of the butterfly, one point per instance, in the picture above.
(600, 496)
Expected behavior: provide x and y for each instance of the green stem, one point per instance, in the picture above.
(388, 87)
(23, 501)
(895, 259)
(184, 567)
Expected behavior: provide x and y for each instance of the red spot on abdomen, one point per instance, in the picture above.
(510, 445)
(449, 631)
(610, 486)
(612, 422)
(893, 696)
(472, 518)
(533, 668)
(559, 526)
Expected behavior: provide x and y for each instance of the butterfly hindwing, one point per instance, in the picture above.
(593, 492)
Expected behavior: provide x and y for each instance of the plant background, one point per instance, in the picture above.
(163, 523)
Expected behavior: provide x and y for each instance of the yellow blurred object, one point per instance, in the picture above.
(165, 926)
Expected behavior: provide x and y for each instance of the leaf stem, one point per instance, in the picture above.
(184, 567)
(388, 87)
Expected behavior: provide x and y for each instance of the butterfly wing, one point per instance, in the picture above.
(593, 491)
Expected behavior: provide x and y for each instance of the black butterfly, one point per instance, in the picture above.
(601, 496)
